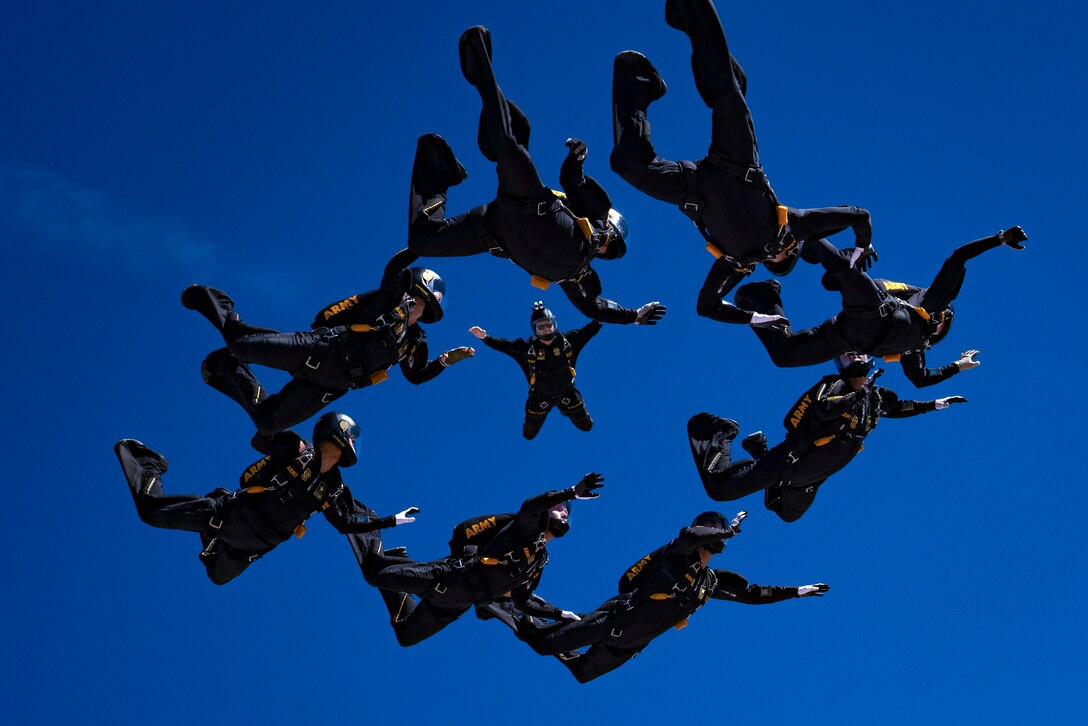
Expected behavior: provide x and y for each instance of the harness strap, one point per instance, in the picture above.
(749, 174)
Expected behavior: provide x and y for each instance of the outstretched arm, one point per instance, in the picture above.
(349, 516)
(892, 406)
(732, 586)
(392, 277)
(914, 368)
(585, 295)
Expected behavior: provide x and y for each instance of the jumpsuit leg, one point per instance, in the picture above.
(537, 408)
(421, 620)
(635, 85)
(143, 469)
(788, 349)
(518, 177)
(430, 234)
(789, 503)
(297, 401)
(858, 290)
(732, 130)
(573, 407)
(416, 578)
(223, 566)
(710, 438)
(595, 662)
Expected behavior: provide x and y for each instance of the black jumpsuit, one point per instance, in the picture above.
(673, 586)
(726, 193)
(508, 563)
(527, 222)
(825, 431)
(878, 317)
(276, 496)
(549, 369)
(352, 343)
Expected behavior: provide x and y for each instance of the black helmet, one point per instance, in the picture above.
(712, 519)
(854, 365)
(426, 284)
(615, 233)
(935, 320)
(541, 313)
(559, 519)
(341, 430)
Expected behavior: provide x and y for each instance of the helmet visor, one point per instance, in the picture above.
(544, 328)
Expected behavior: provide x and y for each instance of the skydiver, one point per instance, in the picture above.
(660, 591)
(554, 237)
(726, 193)
(825, 430)
(276, 496)
(879, 317)
(547, 359)
(351, 345)
(491, 557)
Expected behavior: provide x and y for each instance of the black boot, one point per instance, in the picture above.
(436, 169)
(710, 437)
(474, 50)
(143, 467)
(635, 81)
(679, 14)
(215, 305)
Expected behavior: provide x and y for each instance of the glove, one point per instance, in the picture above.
(406, 517)
(735, 524)
(577, 149)
(816, 590)
(568, 615)
(650, 313)
(967, 360)
(863, 257)
(478, 332)
(584, 489)
(872, 378)
(1012, 237)
(942, 403)
(456, 355)
(759, 320)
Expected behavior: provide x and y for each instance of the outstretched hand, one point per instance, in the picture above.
(967, 360)
(943, 403)
(584, 488)
(577, 148)
(735, 524)
(816, 590)
(478, 332)
(456, 355)
(650, 313)
(872, 378)
(1012, 237)
(406, 517)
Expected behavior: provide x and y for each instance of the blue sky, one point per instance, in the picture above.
(265, 149)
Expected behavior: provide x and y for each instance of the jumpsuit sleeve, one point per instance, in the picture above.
(914, 368)
(691, 538)
(894, 407)
(392, 280)
(283, 445)
(537, 606)
(580, 336)
(341, 514)
(514, 348)
(415, 366)
(721, 279)
(585, 295)
(732, 586)
(834, 398)
(808, 224)
(533, 507)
